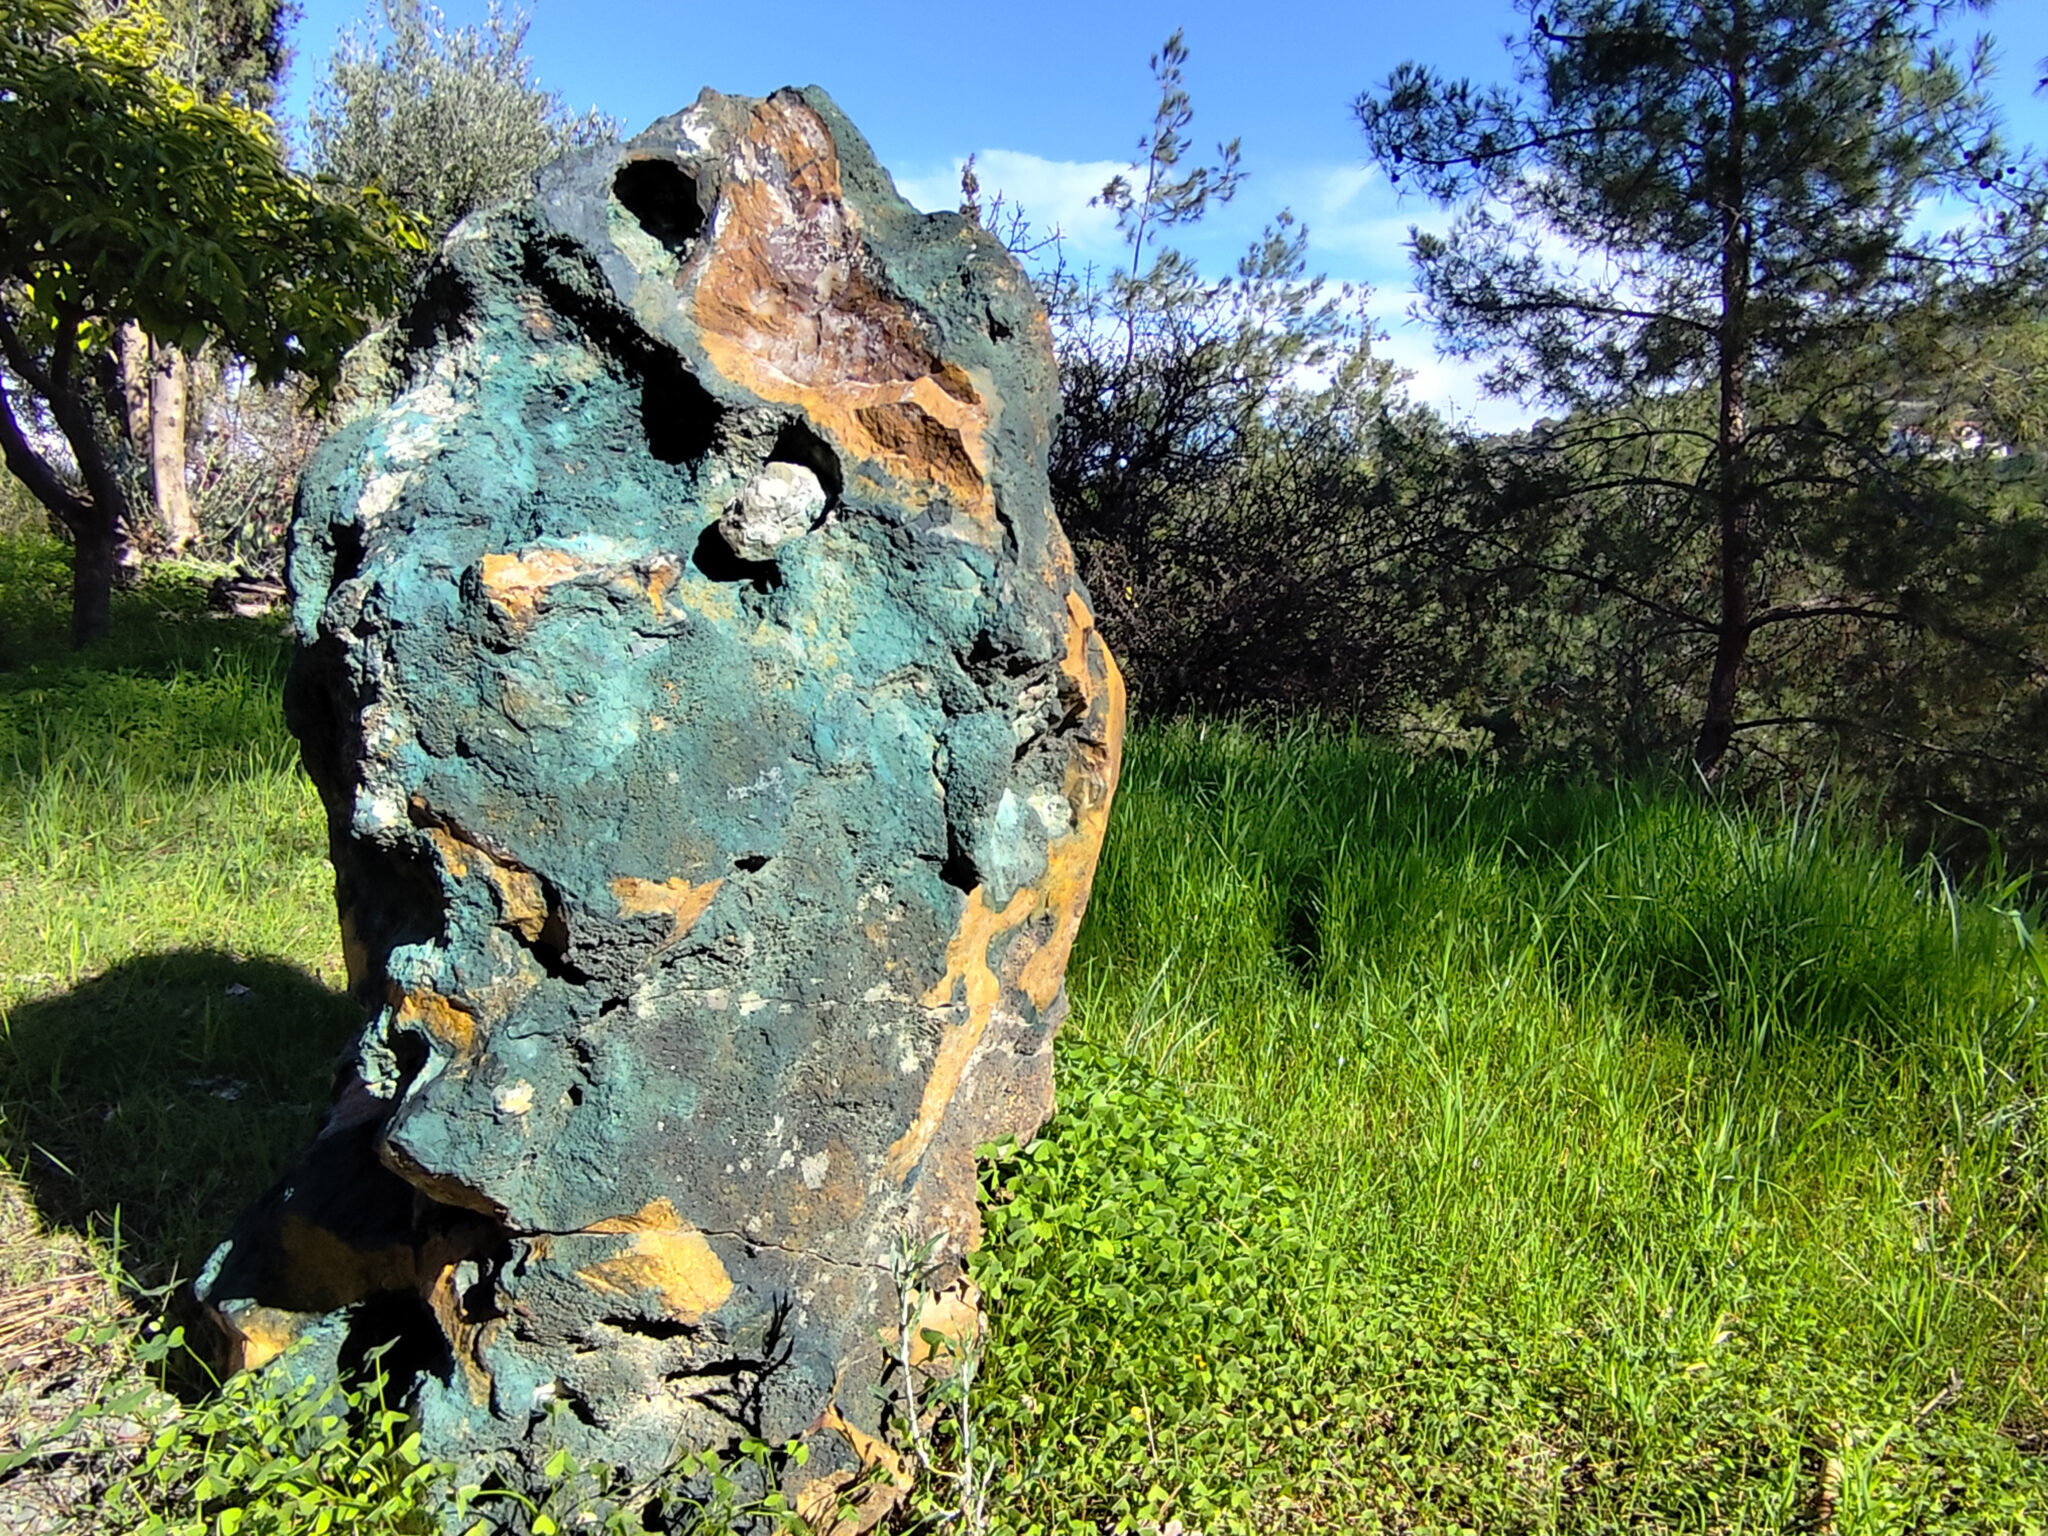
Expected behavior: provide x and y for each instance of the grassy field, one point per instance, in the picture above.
(1657, 1168)
(169, 968)
(1437, 1151)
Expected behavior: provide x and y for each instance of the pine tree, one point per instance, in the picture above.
(1697, 227)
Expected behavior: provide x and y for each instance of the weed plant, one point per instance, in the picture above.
(1438, 1151)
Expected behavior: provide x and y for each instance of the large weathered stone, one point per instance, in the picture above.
(716, 746)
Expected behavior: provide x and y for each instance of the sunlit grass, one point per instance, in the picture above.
(1725, 1128)
(168, 958)
(1649, 1165)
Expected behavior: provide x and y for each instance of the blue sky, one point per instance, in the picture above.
(1052, 96)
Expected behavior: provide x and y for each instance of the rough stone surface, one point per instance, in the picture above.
(781, 503)
(716, 747)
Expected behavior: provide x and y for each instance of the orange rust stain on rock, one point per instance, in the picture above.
(788, 306)
(322, 1272)
(967, 966)
(444, 1021)
(667, 1255)
(677, 899)
(661, 575)
(1037, 961)
(516, 583)
(465, 1337)
(522, 903)
(955, 1315)
(818, 1502)
(258, 1335)
(1090, 784)
(453, 850)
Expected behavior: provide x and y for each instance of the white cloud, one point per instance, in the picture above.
(1381, 240)
(1451, 385)
(1339, 186)
(1053, 194)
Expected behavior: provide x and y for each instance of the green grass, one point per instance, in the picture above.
(1658, 1167)
(1438, 1150)
(159, 852)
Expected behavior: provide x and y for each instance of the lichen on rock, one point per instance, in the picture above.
(716, 746)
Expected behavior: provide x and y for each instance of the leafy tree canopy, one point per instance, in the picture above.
(1699, 226)
(233, 50)
(442, 120)
(127, 196)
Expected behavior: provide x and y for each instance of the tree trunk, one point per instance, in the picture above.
(169, 383)
(97, 518)
(95, 557)
(1734, 497)
(132, 358)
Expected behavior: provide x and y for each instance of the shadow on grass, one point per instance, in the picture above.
(159, 1098)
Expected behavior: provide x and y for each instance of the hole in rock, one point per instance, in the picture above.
(575, 1096)
(959, 870)
(676, 412)
(408, 1055)
(393, 897)
(663, 197)
(652, 1328)
(348, 552)
(797, 443)
(579, 1405)
(752, 863)
(395, 1333)
(551, 949)
(716, 560)
(439, 313)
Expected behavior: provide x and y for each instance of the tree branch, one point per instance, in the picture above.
(1678, 616)
(1826, 608)
(36, 472)
(105, 505)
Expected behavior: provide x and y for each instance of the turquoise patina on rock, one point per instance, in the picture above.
(716, 746)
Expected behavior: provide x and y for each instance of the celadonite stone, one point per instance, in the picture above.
(716, 746)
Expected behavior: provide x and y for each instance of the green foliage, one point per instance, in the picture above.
(282, 1452)
(1653, 1166)
(172, 995)
(1700, 230)
(1155, 199)
(269, 1454)
(1225, 459)
(443, 121)
(1437, 1149)
(233, 49)
(1146, 1269)
(130, 198)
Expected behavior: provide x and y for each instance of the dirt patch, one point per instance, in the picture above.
(56, 1308)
